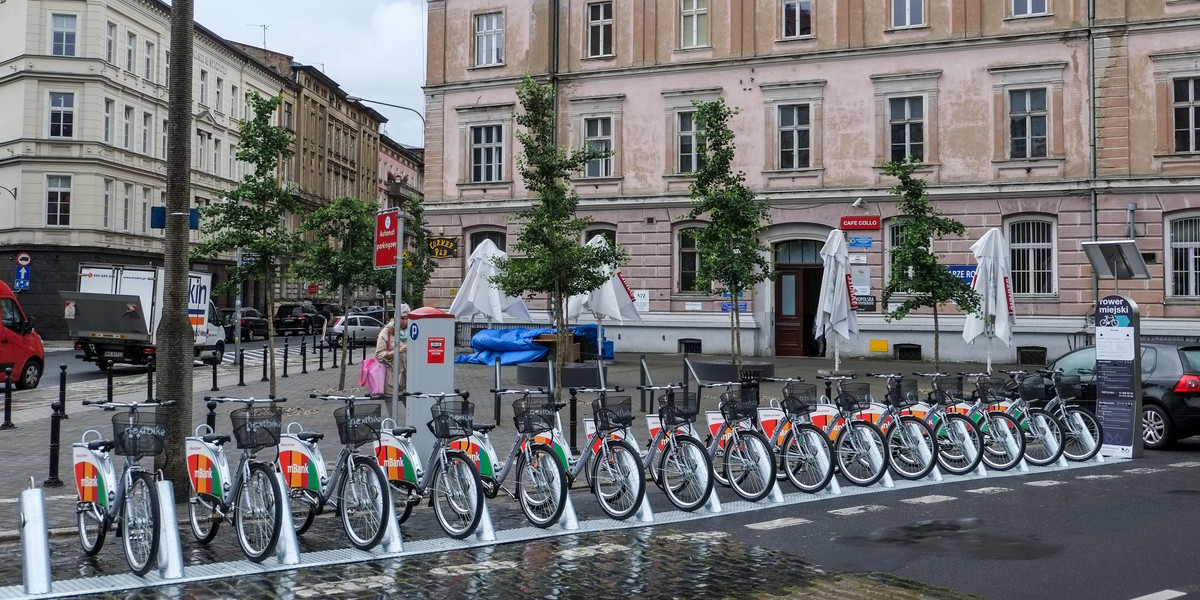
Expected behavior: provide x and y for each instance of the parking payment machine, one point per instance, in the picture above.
(430, 367)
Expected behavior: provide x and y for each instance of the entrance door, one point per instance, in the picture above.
(797, 293)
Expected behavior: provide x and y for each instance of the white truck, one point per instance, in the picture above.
(115, 313)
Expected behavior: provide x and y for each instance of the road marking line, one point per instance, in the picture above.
(699, 536)
(474, 568)
(930, 499)
(1185, 464)
(1098, 477)
(778, 523)
(14, 500)
(1163, 595)
(1144, 471)
(344, 587)
(1044, 483)
(590, 551)
(990, 490)
(857, 510)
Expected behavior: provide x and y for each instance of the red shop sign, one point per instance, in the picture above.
(860, 222)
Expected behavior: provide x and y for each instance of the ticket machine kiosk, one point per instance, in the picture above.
(430, 367)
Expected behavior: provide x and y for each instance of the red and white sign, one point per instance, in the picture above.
(387, 228)
(24, 259)
(436, 351)
(860, 222)
(312, 288)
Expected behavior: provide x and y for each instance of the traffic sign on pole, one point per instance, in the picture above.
(387, 242)
(24, 259)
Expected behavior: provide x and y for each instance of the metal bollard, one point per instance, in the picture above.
(211, 417)
(364, 352)
(321, 356)
(8, 424)
(287, 550)
(241, 367)
(349, 349)
(574, 420)
(151, 368)
(303, 357)
(496, 396)
(170, 551)
(35, 541)
(285, 357)
(62, 388)
(686, 379)
(264, 377)
(642, 382)
(109, 373)
(333, 363)
(56, 417)
(214, 387)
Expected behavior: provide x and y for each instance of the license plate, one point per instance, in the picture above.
(114, 354)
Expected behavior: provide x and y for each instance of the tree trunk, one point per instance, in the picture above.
(345, 343)
(269, 284)
(937, 357)
(175, 352)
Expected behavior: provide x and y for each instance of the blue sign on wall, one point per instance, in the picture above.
(963, 272)
(22, 280)
(860, 242)
(728, 306)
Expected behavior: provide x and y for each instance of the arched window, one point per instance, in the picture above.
(1031, 256)
(1184, 256)
(499, 238)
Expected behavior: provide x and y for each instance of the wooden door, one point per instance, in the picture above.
(797, 290)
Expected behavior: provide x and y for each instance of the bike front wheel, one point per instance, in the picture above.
(749, 465)
(959, 445)
(685, 474)
(364, 502)
(859, 453)
(259, 513)
(618, 477)
(541, 486)
(806, 459)
(140, 531)
(92, 528)
(1043, 437)
(457, 495)
(203, 517)
(911, 445)
(1082, 434)
(1003, 443)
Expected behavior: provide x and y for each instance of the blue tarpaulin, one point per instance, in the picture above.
(513, 346)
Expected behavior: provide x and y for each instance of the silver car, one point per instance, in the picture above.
(361, 329)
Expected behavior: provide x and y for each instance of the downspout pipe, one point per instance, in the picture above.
(554, 11)
(1093, 167)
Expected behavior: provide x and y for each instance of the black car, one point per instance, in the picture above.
(328, 310)
(1170, 389)
(298, 319)
(254, 324)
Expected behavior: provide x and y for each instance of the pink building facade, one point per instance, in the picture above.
(1058, 121)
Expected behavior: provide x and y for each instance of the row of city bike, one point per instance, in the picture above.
(799, 436)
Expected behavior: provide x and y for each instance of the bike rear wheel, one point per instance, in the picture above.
(618, 477)
(1082, 434)
(1003, 443)
(92, 528)
(364, 503)
(457, 495)
(860, 453)
(541, 486)
(749, 465)
(140, 531)
(910, 445)
(303, 507)
(960, 447)
(203, 517)
(259, 513)
(806, 458)
(685, 474)
(1043, 437)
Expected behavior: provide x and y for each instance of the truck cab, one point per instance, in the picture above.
(20, 346)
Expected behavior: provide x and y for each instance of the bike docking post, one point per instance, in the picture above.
(287, 549)
(35, 541)
(265, 357)
(241, 367)
(485, 532)
(170, 551)
(392, 542)
(321, 356)
(569, 521)
(645, 514)
(8, 424)
(56, 418)
(304, 357)
(643, 381)
(285, 357)
(62, 389)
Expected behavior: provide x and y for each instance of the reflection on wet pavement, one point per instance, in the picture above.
(967, 535)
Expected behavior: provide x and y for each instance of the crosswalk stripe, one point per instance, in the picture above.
(1144, 471)
(1190, 463)
(857, 510)
(990, 490)
(1094, 477)
(481, 567)
(1044, 483)
(590, 551)
(930, 499)
(778, 523)
(1162, 595)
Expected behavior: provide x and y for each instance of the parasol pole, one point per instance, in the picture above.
(599, 348)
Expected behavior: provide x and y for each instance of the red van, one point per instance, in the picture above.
(20, 345)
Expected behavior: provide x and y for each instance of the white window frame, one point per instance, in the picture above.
(601, 140)
(1029, 8)
(907, 122)
(108, 203)
(69, 45)
(217, 157)
(1183, 258)
(1189, 106)
(489, 39)
(795, 129)
(779, 95)
(130, 51)
(678, 260)
(62, 218)
(110, 43)
(127, 137)
(484, 169)
(1025, 280)
(908, 13)
(147, 134)
(203, 96)
(1029, 117)
(145, 208)
(233, 102)
(126, 208)
(599, 29)
(791, 16)
(110, 107)
(217, 90)
(688, 131)
(62, 113)
(167, 69)
(693, 23)
(163, 150)
(150, 56)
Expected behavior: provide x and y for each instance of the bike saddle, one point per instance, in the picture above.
(404, 431)
(216, 438)
(311, 436)
(484, 427)
(101, 445)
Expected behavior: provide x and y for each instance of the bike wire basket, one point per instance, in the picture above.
(948, 390)
(1067, 386)
(739, 405)
(1032, 388)
(613, 412)
(677, 408)
(854, 397)
(903, 394)
(533, 416)
(256, 428)
(994, 388)
(799, 399)
(452, 419)
(361, 428)
(139, 434)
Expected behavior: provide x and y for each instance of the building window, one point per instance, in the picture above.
(794, 141)
(217, 90)
(217, 158)
(487, 153)
(797, 18)
(1027, 123)
(233, 102)
(689, 260)
(908, 13)
(108, 203)
(58, 200)
(906, 127)
(130, 52)
(147, 128)
(203, 88)
(489, 39)
(167, 71)
(109, 107)
(1185, 257)
(62, 35)
(149, 75)
(1031, 256)
(126, 207)
(62, 115)
(1187, 114)
(110, 43)
(691, 149)
(1023, 8)
(597, 134)
(201, 149)
(163, 153)
(287, 115)
(895, 235)
(609, 234)
(600, 29)
(145, 208)
(127, 139)
(499, 238)
(693, 23)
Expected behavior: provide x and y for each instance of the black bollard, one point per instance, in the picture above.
(214, 366)
(364, 354)
(109, 372)
(574, 420)
(150, 368)
(62, 389)
(333, 363)
(321, 356)
(642, 381)
(56, 417)
(285, 357)
(349, 349)
(8, 424)
(241, 367)
(303, 357)
(264, 364)
(211, 417)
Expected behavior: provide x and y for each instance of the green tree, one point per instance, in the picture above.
(552, 258)
(252, 215)
(915, 271)
(340, 254)
(731, 254)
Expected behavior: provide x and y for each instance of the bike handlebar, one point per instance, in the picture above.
(727, 384)
(796, 379)
(886, 375)
(975, 375)
(250, 400)
(931, 375)
(438, 395)
(838, 377)
(599, 390)
(1015, 372)
(506, 391)
(664, 387)
(115, 405)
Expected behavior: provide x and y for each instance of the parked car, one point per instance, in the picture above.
(254, 324)
(361, 328)
(298, 318)
(20, 346)
(1170, 389)
(328, 310)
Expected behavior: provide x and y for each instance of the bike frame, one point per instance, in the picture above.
(240, 475)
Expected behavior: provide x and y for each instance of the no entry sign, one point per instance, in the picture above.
(387, 226)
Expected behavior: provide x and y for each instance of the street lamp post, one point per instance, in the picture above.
(412, 110)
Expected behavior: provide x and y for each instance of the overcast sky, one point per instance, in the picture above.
(373, 48)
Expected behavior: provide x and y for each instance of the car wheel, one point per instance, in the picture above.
(1157, 431)
(30, 375)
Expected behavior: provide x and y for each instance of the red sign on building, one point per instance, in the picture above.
(387, 228)
(860, 222)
